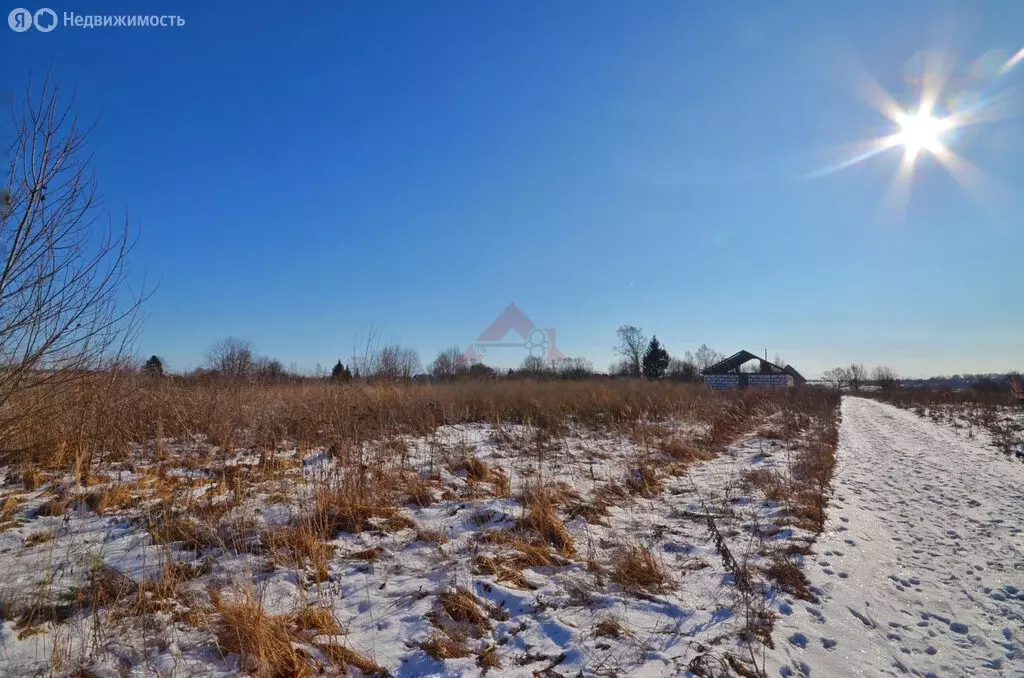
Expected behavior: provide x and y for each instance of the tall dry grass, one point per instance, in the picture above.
(101, 418)
(120, 420)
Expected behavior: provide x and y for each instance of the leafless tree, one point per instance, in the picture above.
(682, 369)
(838, 378)
(270, 369)
(449, 364)
(534, 366)
(620, 368)
(858, 376)
(632, 344)
(232, 358)
(706, 357)
(779, 360)
(573, 368)
(885, 378)
(392, 363)
(65, 310)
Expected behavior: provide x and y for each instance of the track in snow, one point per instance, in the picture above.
(920, 570)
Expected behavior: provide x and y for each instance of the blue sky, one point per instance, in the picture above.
(302, 176)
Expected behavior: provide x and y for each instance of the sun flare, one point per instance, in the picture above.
(921, 131)
(950, 99)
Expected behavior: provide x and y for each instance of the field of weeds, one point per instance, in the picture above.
(995, 417)
(515, 528)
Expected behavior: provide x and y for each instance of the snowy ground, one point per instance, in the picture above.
(921, 568)
(384, 585)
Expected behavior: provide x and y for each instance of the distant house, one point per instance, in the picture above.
(729, 374)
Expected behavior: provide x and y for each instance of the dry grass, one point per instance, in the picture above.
(344, 658)
(318, 620)
(38, 538)
(297, 546)
(419, 493)
(114, 497)
(636, 569)
(168, 528)
(262, 640)
(544, 521)
(441, 646)
(525, 553)
(478, 471)
(608, 628)
(432, 537)
(772, 484)
(355, 503)
(32, 479)
(644, 480)
(98, 420)
(502, 572)
(269, 644)
(369, 554)
(369, 485)
(488, 659)
(594, 512)
(463, 607)
(790, 578)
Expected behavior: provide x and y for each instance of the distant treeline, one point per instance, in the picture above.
(977, 382)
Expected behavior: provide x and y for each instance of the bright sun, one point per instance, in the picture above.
(921, 131)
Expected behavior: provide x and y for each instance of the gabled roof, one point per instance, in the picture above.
(736, 359)
(789, 369)
(731, 363)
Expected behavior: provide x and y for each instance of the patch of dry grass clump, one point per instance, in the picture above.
(271, 645)
(441, 646)
(636, 569)
(644, 480)
(542, 518)
(790, 578)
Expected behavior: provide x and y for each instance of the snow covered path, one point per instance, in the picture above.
(920, 570)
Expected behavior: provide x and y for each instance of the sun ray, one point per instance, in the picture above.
(1001, 105)
(976, 183)
(1012, 61)
(869, 91)
(861, 151)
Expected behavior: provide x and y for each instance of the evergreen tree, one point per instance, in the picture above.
(341, 373)
(154, 367)
(656, 360)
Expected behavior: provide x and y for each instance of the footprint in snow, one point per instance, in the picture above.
(957, 627)
(828, 643)
(786, 609)
(798, 639)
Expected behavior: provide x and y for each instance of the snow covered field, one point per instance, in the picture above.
(921, 568)
(514, 552)
(477, 548)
